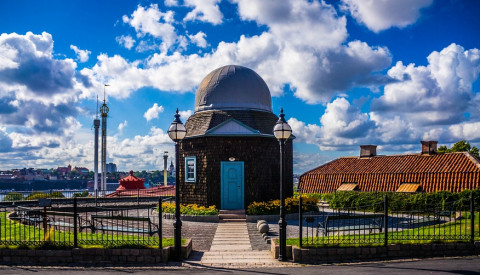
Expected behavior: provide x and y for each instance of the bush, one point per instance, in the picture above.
(190, 209)
(41, 195)
(14, 196)
(80, 195)
(373, 201)
(291, 206)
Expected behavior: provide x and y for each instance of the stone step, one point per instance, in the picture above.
(239, 211)
(232, 220)
(232, 216)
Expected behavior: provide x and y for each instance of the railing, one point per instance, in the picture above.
(107, 225)
(10, 196)
(382, 223)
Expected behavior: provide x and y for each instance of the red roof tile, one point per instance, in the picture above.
(451, 172)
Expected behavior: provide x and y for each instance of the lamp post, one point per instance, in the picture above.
(177, 132)
(282, 132)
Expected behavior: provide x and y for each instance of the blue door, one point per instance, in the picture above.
(232, 191)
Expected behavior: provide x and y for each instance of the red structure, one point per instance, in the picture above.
(131, 183)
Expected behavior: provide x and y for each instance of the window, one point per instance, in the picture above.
(348, 187)
(190, 169)
(409, 188)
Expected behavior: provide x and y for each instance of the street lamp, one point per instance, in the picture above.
(282, 132)
(177, 132)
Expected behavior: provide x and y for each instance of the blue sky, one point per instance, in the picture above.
(346, 72)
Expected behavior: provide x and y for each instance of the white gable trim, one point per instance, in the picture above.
(232, 127)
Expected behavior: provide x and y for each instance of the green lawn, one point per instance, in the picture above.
(14, 234)
(457, 231)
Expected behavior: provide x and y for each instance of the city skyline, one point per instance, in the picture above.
(346, 73)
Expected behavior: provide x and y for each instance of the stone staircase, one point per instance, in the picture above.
(231, 245)
(232, 216)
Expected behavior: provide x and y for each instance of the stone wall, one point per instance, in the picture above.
(349, 254)
(93, 256)
(261, 157)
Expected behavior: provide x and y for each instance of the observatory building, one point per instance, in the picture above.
(230, 157)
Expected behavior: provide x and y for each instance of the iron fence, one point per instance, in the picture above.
(11, 196)
(384, 223)
(107, 225)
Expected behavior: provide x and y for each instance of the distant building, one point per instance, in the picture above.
(111, 168)
(427, 171)
(64, 170)
(171, 169)
(81, 170)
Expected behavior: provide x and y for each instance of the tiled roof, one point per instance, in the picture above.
(451, 172)
(201, 122)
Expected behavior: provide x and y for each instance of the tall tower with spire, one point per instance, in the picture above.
(104, 113)
(96, 124)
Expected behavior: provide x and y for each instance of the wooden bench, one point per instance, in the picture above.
(104, 223)
(365, 222)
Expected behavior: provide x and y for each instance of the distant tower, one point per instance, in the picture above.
(96, 124)
(165, 157)
(104, 112)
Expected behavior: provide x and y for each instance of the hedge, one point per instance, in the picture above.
(41, 195)
(398, 201)
(14, 196)
(291, 206)
(190, 209)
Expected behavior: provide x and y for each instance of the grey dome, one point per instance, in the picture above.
(233, 87)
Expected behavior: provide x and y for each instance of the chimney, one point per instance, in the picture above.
(429, 147)
(367, 151)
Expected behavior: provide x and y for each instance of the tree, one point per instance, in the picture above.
(460, 146)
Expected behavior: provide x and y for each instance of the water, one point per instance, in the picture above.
(66, 193)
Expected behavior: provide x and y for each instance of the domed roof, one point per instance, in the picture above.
(233, 87)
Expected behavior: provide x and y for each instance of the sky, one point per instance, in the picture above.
(347, 73)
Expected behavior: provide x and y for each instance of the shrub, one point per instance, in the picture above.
(291, 206)
(80, 195)
(190, 209)
(41, 195)
(13, 196)
(373, 201)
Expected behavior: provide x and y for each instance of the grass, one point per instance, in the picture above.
(16, 235)
(457, 231)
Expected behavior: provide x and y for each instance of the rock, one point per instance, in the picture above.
(259, 222)
(263, 228)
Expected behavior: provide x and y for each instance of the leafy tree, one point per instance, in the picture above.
(460, 146)
(13, 196)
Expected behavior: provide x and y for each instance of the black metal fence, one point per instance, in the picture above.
(382, 223)
(106, 224)
(10, 196)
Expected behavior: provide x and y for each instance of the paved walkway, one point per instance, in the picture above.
(231, 248)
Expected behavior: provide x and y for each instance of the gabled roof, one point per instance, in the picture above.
(232, 127)
(450, 171)
(199, 123)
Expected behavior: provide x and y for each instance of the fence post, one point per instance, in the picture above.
(385, 219)
(96, 195)
(50, 193)
(472, 219)
(160, 245)
(75, 225)
(300, 218)
(138, 195)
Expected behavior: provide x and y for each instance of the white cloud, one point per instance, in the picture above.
(153, 112)
(199, 39)
(312, 62)
(204, 10)
(126, 41)
(155, 23)
(122, 126)
(379, 15)
(171, 3)
(439, 93)
(82, 55)
(185, 114)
